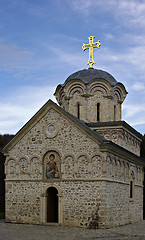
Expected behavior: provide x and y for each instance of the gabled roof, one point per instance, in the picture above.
(104, 143)
(46, 107)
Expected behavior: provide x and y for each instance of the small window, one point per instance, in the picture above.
(115, 113)
(98, 111)
(131, 189)
(78, 110)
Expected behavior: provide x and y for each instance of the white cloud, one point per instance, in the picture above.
(134, 114)
(68, 57)
(21, 106)
(14, 57)
(129, 12)
(138, 86)
(109, 36)
(134, 111)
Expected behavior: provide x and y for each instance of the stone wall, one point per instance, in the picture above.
(121, 137)
(83, 177)
(79, 199)
(88, 95)
(120, 207)
(68, 139)
(88, 107)
(80, 161)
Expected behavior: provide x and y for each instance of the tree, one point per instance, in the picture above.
(4, 139)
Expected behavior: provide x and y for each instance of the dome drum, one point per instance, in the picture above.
(90, 91)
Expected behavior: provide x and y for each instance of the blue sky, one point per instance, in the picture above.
(41, 45)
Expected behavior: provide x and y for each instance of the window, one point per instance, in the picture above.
(131, 189)
(132, 183)
(98, 111)
(115, 113)
(78, 110)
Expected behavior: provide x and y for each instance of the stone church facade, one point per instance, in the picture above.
(70, 158)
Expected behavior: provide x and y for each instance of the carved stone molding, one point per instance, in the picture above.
(51, 129)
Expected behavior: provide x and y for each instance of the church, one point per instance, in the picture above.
(77, 157)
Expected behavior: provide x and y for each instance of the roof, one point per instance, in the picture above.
(87, 75)
(50, 104)
(103, 142)
(115, 124)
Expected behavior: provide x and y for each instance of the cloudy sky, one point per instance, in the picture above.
(41, 45)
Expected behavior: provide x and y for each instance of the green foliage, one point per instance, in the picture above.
(2, 215)
(4, 139)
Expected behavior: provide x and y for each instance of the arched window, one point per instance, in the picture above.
(78, 110)
(131, 189)
(132, 182)
(115, 113)
(98, 111)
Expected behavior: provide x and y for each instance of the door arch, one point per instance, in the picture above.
(52, 205)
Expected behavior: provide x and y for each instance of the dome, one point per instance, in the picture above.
(87, 75)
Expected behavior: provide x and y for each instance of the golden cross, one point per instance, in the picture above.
(90, 46)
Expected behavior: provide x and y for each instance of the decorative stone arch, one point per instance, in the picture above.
(96, 165)
(98, 86)
(117, 95)
(109, 165)
(11, 158)
(35, 156)
(23, 170)
(114, 167)
(123, 169)
(119, 92)
(118, 167)
(68, 165)
(137, 174)
(46, 150)
(9, 168)
(58, 93)
(35, 170)
(77, 86)
(23, 157)
(61, 96)
(43, 202)
(140, 175)
(71, 155)
(127, 170)
(82, 161)
(83, 154)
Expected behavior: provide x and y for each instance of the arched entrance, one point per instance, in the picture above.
(52, 205)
